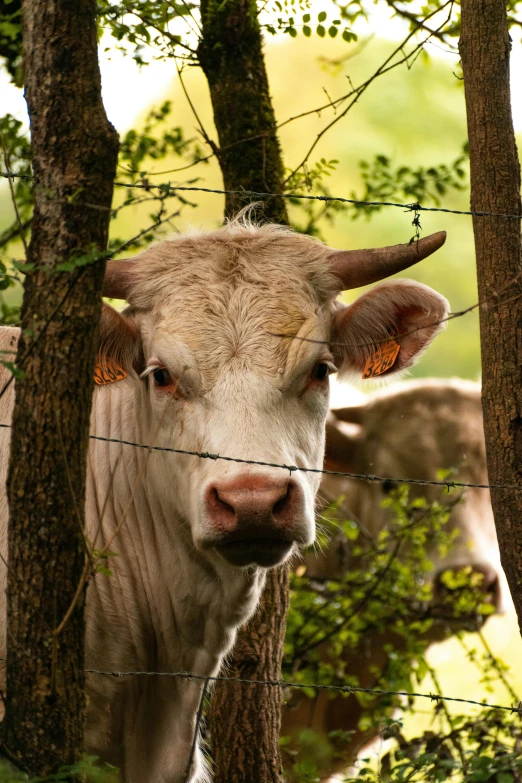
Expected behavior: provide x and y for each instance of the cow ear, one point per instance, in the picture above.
(408, 313)
(119, 340)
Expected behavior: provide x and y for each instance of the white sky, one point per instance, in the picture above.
(127, 90)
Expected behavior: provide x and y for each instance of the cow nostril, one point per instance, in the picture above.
(220, 503)
(279, 505)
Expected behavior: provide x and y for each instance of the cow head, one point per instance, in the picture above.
(201, 342)
(414, 430)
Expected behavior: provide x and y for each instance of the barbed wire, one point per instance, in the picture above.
(313, 686)
(295, 468)
(347, 689)
(413, 207)
(167, 189)
(370, 477)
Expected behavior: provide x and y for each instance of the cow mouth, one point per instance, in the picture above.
(264, 552)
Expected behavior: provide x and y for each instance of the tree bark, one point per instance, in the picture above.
(74, 159)
(246, 719)
(231, 56)
(495, 187)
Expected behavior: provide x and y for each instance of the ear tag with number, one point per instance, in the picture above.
(109, 372)
(383, 358)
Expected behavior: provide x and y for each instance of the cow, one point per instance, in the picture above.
(410, 430)
(225, 349)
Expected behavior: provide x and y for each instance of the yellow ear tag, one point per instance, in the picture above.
(383, 358)
(110, 372)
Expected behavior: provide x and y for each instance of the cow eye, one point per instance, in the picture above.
(162, 377)
(321, 371)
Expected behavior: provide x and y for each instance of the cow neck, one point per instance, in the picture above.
(170, 606)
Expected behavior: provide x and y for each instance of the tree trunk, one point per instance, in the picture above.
(231, 55)
(246, 719)
(74, 159)
(495, 187)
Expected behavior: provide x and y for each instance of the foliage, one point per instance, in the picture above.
(382, 182)
(381, 592)
(139, 149)
(87, 769)
(284, 15)
(154, 142)
(145, 24)
(11, 38)
(420, 185)
(16, 153)
(484, 748)
(310, 180)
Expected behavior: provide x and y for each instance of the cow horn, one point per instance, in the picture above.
(361, 267)
(118, 277)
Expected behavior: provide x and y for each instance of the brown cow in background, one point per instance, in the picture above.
(411, 430)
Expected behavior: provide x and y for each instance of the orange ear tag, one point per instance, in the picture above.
(383, 358)
(110, 372)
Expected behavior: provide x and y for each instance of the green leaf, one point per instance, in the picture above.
(322, 16)
(332, 31)
(306, 18)
(321, 32)
(348, 36)
(307, 31)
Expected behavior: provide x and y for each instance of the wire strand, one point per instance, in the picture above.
(370, 477)
(168, 188)
(314, 686)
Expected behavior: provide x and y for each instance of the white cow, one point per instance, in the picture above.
(205, 373)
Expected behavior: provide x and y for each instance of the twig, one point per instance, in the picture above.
(360, 90)
(13, 197)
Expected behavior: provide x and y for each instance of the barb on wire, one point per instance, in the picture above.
(169, 189)
(294, 468)
(314, 686)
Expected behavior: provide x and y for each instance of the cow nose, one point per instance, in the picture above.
(253, 518)
(252, 502)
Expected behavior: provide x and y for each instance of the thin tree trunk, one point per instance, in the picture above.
(231, 55)
(74, 158)
(246, 719)
(495, 187)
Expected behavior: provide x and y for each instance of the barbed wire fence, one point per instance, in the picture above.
(369, 477)
(170, 190)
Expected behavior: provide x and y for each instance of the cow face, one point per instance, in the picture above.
(229, 342)
(413, 431)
